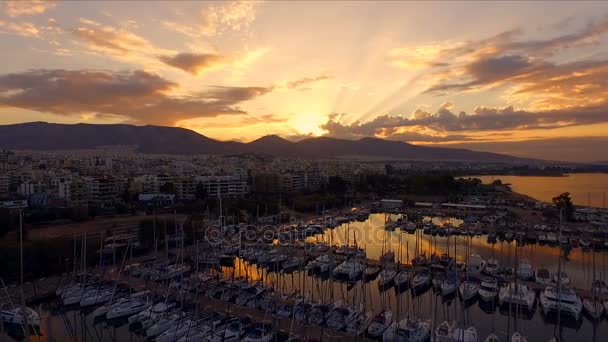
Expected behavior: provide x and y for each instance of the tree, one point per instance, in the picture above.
(564, 204)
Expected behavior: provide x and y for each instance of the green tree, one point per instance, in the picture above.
(563, 203)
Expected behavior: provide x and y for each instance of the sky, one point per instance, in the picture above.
(523, 78)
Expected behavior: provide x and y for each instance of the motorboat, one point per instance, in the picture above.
(593, 308)
(386, 277)
(359, 324)
(525, 271)
(488, 290)
(517, 294)
(380, 323)
(492, 266)
(475, 265)
(402, 279)
(447, 332)
(566, 301)
(468, 289)
(562, 279)
(19, 315)
(543, 276)
(408, 330)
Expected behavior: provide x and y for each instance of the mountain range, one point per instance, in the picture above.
(44, 136)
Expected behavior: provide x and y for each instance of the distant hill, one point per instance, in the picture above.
(174, 140)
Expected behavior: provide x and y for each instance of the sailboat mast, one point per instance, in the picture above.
(23, 313)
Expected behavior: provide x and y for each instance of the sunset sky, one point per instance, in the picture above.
(528, 79)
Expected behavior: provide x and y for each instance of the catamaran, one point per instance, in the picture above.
(517, 294)
(563, 300)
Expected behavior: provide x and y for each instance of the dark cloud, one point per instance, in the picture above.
(503, 60)
(483, 119)
(193, 63)
(138, 96)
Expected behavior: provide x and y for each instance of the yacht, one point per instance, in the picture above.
(450, 285)
(349, 269)
(525, 271)
(492, 266)
(372, 272)
(17, 314)
(402, 279)
(421, 280)
(475, 265)
(552, 238)
(492, 338)
(321, 264)
(488, 290)
(103, 310)
(408, 330)
(340, 318)
(128, 308)
(177, 331)
(564, 279)
(517, 294)
(96, 298)
(380, 323)
(568, 303)
(162, 325)
(386, 277)
(359, 324)
(150, 313)
(593, 308)
(468, 289)
(447, 332)
(599, 288)
(259, 334)
(543, 276)
(517, 337)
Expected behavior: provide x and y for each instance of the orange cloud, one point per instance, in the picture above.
(30, 7)
(136, 96)
(194, 63)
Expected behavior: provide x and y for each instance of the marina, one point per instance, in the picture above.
(339, 283)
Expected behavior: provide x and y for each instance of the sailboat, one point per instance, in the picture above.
(447, 332)
(408, 330)
(593, 306)
(559, 299)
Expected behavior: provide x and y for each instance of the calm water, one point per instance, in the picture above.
(73, 325)
(584, 188)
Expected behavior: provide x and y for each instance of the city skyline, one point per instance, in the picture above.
(526, 79)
